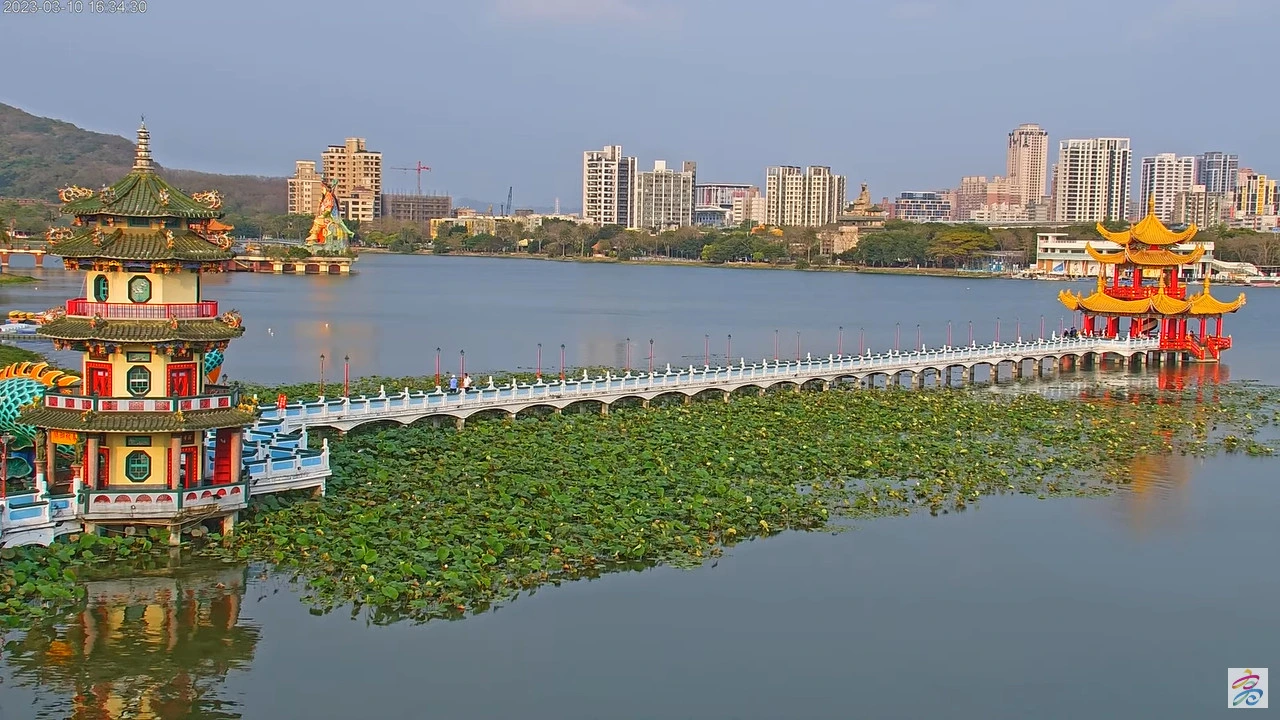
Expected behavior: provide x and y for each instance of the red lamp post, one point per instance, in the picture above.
(437, 367)
(346, 376)
(538, 373)
(321, 374)
(561, 362)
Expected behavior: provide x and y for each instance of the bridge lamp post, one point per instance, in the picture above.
(650, 356)
(538, 373)
(919, 337)
(775, 345)
(970, 332)
(706, 350)
(321, 374)
(346, 376)
(840, 342)
(1041, 327)
(627, 365)
(897, 336)
(997, 329)
(728, 351)
(948, 333)
(561, 362)
(437, 368)
(1017, 331)
(462, 365)
(862, 336)
(797, 346)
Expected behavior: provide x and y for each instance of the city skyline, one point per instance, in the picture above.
(536, 104)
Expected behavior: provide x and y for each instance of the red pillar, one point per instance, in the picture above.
(1204, 327)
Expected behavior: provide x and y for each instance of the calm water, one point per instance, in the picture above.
(1125, 606)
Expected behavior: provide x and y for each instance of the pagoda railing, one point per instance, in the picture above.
(82, 307)
(84, 403)
(1125, 292)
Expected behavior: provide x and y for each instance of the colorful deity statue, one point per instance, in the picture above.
(328, 230)
(23, 384)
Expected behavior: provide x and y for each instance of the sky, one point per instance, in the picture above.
(902, 94)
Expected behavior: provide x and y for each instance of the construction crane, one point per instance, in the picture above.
(510, 211)
(418, 170)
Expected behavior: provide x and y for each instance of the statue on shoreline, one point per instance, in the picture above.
(328, 230)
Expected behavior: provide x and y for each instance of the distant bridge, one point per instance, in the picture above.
(942, 366)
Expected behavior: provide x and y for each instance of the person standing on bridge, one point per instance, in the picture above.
(453, 383)
(466, 383)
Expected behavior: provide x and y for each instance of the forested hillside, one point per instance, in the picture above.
(39, 155)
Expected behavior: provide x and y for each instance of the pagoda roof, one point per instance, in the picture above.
(1150, 257)
(150, 244)
(1200, 304)
(141, 193)
(140, 331)
(135, 422)
(1148, 231)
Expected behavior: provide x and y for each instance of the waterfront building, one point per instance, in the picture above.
(1217, 172)
(1164, 176)
(358, 172)
(712, 216)
(663, 197)
(922, 206)
(750, 207)
(1000, 212)
(1255, 194)
(151, 437)
(607, 186)
(810, 198)
(306, 188)
(1058, 254)
(722, 194)
(1200, 207)
(976, 192)
(416, 208)
(1142, 284)
(1092, 180)
(1026, 162)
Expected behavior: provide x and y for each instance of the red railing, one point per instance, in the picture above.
(81, 307)
(1126, 292)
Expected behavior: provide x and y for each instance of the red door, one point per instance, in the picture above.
(99, 379)
(187, 465)
(222, 456)
(182, 380)
(104, 467)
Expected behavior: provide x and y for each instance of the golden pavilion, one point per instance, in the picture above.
(1144, 287)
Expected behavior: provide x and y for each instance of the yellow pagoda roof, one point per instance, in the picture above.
(1151, 257)
(1159, 304)
(1148, 231)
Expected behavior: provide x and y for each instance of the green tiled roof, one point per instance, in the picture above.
(139, 422)
(139, 331)
(125, 243)
(141, 193)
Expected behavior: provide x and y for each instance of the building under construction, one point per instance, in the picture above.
(419, 208)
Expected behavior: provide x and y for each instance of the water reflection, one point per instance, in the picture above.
(149, 647)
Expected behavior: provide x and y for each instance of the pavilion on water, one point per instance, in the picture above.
(151, 440)
(1144, 287)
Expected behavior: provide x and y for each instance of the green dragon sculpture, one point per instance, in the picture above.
(22, 384)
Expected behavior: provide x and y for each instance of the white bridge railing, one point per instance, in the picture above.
(410, 402)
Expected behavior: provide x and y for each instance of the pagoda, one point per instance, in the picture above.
(156, 443)
(1145, 287)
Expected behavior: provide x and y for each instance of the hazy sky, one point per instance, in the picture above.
(904, 94)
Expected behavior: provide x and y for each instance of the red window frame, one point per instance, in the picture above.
(177, 371)
(99, 378)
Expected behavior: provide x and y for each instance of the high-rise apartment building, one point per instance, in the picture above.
(1217, 172)
(722, 194)
(306, 189)
(1092, 180)
(914, 206)
(1164, 176)
(663, 197)
(1255, 194)
(812, 198)
(749, 207)
(1200, 207)
(1027, 162)
(358, 172)
(607, 186)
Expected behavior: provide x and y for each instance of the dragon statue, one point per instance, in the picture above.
(22, 384)
(328, 231)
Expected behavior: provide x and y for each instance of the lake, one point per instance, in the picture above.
(1130, 605)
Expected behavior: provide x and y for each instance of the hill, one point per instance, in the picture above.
(39, 155)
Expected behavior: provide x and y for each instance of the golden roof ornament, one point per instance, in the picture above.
(72, 193)
(211, 199)
(164, 197)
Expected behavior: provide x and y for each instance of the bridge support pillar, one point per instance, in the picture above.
(4, 258)
(318, 491)
(460, 423)
(1038, 368)
(604, 409)
(688, 399)
(229, 523)
(826, 385)
(644, 403)
(918, 380)
(969, 373)
(761, 392)
(558, 411)
(1017, 370)
(727, 396)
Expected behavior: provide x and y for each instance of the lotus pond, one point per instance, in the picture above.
(426, 522)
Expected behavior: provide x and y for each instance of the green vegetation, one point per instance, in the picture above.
(11, 279)
(423, 522)
(10, 354)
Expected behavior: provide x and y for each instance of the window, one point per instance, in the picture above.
(137, 466)
(100, 288)
(139, 378)
(139, 222)
(139, 289)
